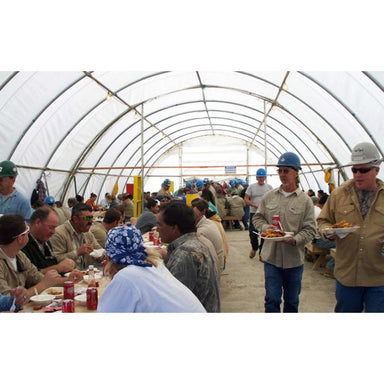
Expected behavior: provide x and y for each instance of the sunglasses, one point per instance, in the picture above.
(86, 218)
(22, 233)
(362, 170)
(285, 171)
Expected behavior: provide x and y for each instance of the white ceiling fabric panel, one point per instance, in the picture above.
(25, 97)
(153, 87)
(172, 99)
(59, 124)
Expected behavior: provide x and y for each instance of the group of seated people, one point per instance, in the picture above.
(183, 276)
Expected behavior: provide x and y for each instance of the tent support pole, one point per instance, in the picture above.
(265, 137)
(142, 157)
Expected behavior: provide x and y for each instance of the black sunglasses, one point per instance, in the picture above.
(285, 171)
(362, 170)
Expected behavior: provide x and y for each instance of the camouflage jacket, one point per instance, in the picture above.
(190, 261)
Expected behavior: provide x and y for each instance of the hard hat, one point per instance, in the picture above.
(365, 153)
(199, 184)
(261, 173)
(7, 168)
(188, 184)
(289, 159)
(49, 200)
(167, 182)
(206, 180)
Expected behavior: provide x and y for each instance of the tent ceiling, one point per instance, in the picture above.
(78, 125)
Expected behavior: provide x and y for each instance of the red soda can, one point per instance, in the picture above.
(276, 221)
(150, 236)
(69, 290)
(92, 298)
(68, 306)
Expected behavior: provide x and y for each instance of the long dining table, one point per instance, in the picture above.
(79, 308)
(82, 286)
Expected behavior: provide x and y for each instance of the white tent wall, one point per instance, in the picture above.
(75, 126)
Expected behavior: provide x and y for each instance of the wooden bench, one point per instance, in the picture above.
(317, 255)
(230, 219)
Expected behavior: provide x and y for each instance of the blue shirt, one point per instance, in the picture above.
(5, 302)
(15, 203)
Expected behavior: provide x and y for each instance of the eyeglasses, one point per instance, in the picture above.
(23, 233)
(86, 218)
(362, 170)
(285, 171)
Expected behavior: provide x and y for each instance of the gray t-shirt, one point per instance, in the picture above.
(256, 192)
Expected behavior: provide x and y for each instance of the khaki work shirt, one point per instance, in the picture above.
(11, 278)
(296, 215)
(358, 260)
(66, 241)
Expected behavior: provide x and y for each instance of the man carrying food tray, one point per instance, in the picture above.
(354, 216)
(283, 253)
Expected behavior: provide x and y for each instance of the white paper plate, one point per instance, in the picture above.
(58, 292)
(275, 239)
(81, 299)
(97, 253)
(340, 231)
(42, 299)
(149, 244)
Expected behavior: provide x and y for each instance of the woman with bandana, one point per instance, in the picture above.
(140, 281)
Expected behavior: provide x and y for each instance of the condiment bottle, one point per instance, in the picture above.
(91, 277)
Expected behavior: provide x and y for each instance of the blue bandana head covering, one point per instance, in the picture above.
(124, 245)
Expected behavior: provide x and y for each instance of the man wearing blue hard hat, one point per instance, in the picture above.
(50, 200)
(284, 260)
(11, 200)
(252, 198)
(164, 191)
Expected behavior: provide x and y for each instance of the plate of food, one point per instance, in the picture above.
(340, 228)
(96, 270)
(42, 299)
(58, 292)
(273, 235)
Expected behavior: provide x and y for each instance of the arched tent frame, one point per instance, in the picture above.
(86, 130)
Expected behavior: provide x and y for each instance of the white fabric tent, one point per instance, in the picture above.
(83, 131)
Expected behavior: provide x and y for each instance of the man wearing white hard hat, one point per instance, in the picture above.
(11, 200)
(359, 261)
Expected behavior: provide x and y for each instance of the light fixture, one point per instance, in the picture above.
(136, 116)
(109, 95)
(285, 86)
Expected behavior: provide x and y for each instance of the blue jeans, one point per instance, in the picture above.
(325, 244)
(330, 264)
(357, 299)
(280, 281)
(245, 218)
(252, 236)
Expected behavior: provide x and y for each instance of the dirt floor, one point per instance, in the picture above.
(242, 282)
